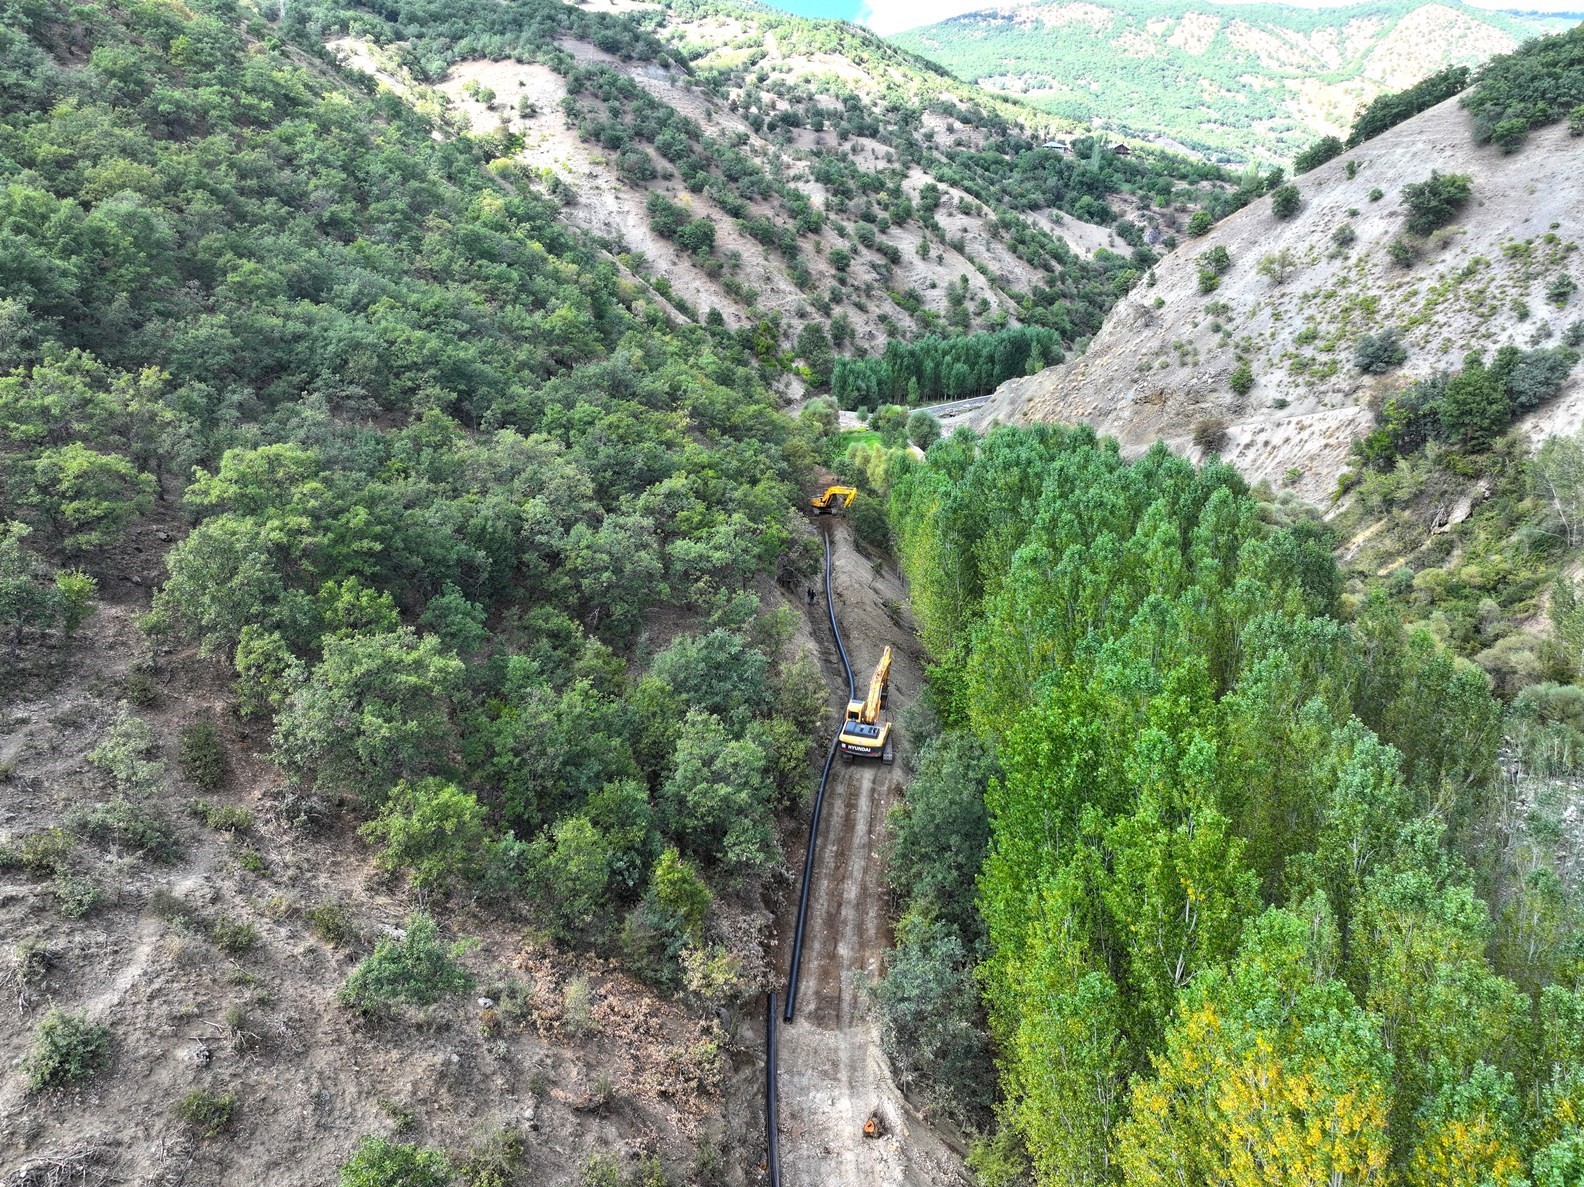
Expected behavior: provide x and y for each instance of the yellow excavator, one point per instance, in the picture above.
(863, 734)
(835, 499)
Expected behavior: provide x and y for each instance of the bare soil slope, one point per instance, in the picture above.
(1162, 361)
(563, 1049)
(525, 99)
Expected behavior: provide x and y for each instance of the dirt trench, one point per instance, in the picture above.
(833, 1074)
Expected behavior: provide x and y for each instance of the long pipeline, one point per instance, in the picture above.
(830, 610)
(819, 804)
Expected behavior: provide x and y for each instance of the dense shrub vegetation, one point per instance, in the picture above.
(1240, 895)
(1285, 201)
(1470, 407)
(1325, 149)
(66, 1048)
(1375, 354)
(1390, 110)
(33, 598)
(438, 464)
(1434, 202)
(1539, 83)
(380, 1163)
(932, 1024)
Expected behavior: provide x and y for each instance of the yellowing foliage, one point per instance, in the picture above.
(1271, 1077)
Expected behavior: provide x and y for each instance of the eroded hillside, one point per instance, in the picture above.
(1164, 362)
(808, 179)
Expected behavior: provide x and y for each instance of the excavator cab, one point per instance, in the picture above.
(835, 499)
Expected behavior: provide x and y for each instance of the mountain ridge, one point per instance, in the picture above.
(1234, 81)
(836, 190)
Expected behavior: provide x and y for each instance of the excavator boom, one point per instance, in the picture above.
(878, 684)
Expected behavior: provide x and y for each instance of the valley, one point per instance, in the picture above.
(418, 652)
(810, 185)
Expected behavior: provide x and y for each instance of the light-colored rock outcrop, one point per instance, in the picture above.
(1162, 362)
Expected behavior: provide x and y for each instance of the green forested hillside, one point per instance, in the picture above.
(868, 181)
(431, 465)
(1231, 81)
(1251, 911)
(823, 149)
(461, 524)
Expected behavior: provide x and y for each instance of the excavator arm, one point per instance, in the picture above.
(834, 497)
(878, 684)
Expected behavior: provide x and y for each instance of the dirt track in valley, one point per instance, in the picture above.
(833, 1074)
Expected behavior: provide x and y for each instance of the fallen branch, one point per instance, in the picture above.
(76, 1166)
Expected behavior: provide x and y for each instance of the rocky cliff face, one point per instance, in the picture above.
(1163, 362)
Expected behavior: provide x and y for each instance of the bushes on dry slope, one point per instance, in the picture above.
(1539, 83)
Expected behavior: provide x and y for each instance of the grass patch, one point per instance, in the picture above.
(206, 1114)
(76, 894)
(129, 824)
(226, 818)
(201, 757)
(42, 853)
(849, 439)
(235, 937)
(332, 923)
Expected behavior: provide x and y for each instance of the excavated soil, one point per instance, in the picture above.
(833, 1074)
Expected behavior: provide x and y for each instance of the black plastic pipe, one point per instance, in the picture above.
(772, 1097)
(819, 805)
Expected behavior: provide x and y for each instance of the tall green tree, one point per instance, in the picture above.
(1271, 1074)
(375, 710)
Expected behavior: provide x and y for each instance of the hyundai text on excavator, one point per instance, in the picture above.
(863, 734)
(835, 498)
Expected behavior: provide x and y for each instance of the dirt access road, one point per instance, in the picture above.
(833, 1074)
